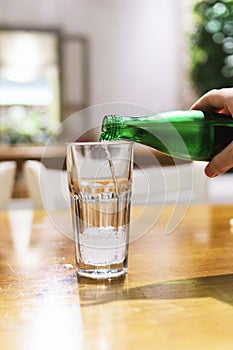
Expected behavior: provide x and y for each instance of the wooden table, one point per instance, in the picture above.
(178, 293)
(20, 153)
(143, 155)
(51, 156)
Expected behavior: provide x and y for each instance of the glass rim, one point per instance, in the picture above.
(99, 143)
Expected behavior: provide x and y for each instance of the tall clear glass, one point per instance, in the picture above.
(100, 183)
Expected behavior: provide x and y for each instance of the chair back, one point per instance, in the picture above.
(179, 184)
(47, 188)
(7, 177)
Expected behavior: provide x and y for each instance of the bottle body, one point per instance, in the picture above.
(193, 135)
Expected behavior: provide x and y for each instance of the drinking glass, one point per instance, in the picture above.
(100, 182)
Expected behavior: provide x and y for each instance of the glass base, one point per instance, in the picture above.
(101, 272)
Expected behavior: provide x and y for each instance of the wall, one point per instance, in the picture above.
(134, 44)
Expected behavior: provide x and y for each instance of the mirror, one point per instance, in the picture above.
(30, 84)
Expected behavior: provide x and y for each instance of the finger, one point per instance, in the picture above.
(211, 100)
(221, 163)
(218, 100)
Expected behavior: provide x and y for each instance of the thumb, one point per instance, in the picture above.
(221, 163)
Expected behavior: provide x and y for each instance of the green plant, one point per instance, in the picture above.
(211, 45)
(21, 125)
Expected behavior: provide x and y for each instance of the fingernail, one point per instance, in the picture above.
(212, 175)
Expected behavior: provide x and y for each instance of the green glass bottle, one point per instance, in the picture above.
(192, 134)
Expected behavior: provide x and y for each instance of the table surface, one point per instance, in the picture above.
(142, 154)
(178, 293)
(22, 152)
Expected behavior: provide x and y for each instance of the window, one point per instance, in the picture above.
(30, 102)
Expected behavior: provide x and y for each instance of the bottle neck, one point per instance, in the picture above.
(110, 125)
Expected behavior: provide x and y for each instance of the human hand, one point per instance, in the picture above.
(219, 101)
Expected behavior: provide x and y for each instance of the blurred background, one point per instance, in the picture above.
(58, 57)
(98, 52)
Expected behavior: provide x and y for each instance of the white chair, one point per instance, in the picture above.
(182, 183)
(47, 188)
(7, 177)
